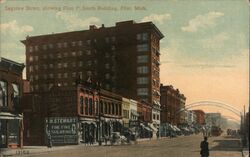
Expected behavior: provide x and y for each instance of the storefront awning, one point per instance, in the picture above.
(145, 127)
(134, 113)
(176, 128)
(7, 115)
(88, 122)
(153, 128)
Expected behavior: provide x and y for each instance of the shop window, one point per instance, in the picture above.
(3, 93)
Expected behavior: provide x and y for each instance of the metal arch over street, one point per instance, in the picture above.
(211, 103)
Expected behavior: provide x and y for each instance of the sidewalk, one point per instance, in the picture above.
(245, 152)
(28, 150)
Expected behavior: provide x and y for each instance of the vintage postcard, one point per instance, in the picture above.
(129, 78)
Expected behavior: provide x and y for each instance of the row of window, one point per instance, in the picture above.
(142, 59)
(67, 44)
(58, 45)
(142, 37)
(142, 70)
(67, 75)
(48, 86)
(142, 80)
(156, 116)
(61, 75)
(142, 47)
(4, 93)
(125, 113)
(88, 108)
(63, 65)
(59, 55)
(142, 91)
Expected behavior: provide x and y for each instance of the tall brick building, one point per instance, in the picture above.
(123, 58)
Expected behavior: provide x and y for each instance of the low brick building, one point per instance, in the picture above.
(172, 105)
(93, 112)
(11, 86)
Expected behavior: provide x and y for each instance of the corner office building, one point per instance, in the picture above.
(123, 58)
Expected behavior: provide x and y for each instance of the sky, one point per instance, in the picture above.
(205, 51)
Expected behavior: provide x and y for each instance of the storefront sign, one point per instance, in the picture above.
(63, 130)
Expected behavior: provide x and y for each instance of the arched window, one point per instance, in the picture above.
(106, 107)
(81, 104)
(96, 107)
(90, 106)
(3, 93)
(101, 106)
(113, 108)
(86, 106)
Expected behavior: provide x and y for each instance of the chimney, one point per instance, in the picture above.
(92, 27)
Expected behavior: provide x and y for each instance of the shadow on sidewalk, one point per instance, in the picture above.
(227, 145)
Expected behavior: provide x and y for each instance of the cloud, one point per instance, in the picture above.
(216, 42)
(74, 22)
(202, 21)
(2, 1)
(205, 65)
(13, 26)
(159, 18)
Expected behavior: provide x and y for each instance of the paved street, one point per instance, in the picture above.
(177, 147)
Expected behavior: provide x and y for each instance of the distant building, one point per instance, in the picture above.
(213, 119)
(190, 117)
(200, 116)
(11, 118)
(26, 86)
(172, 105)
(125, 112)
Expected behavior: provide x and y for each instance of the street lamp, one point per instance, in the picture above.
(99, 116)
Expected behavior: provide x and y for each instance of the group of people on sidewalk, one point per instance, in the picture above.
(89, 140)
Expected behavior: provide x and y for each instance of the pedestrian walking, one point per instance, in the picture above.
(106, 138)
(91, 139)
(49, 144)
(204, 148)
(157, 134)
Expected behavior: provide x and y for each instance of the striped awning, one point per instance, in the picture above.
(7, 115)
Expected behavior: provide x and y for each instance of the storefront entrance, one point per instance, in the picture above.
(9, 133)
(3, 133)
